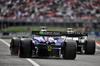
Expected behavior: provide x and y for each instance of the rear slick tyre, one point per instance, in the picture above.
(69, 50)
(25, 48)
(90, 47)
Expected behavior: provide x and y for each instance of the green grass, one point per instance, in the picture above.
(31, 28)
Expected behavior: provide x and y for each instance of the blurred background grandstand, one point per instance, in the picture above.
(39, 9)
(28, 15)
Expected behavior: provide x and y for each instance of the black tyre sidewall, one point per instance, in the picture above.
(90, 47)
(70, 50)
(14, 46)
(25, 48)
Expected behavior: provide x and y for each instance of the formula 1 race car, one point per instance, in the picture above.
(44, 43)
(84, 44)
(53, 43)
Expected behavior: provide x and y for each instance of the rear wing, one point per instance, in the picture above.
(47, 33)
(59, 33)
(75, 34)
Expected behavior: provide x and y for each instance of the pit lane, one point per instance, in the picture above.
(81, 60)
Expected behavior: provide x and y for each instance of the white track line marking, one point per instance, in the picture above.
(97, 50)
(5, 42)
(31, 61)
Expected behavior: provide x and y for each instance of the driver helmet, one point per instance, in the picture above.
(43, 29)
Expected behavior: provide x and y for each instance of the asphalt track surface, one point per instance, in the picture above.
(81, 60)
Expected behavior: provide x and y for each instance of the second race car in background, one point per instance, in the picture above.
(84, 44)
